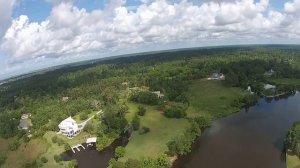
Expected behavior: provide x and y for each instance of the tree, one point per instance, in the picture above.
(83, 116)
(113, 163)
(119, 152)
(292, 140)
(102, 143)
(141, 111)
(145, 97)
(202, 122)
(175, 111)
(135, 122)
(144, 130)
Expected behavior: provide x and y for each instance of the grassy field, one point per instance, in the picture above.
(287, 81)
(292, 161)
(212, 99)
(26, 153)
(162, 130)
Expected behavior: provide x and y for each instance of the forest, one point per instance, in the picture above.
(121, 84)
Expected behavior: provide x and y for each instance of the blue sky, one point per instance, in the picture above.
(35, 34)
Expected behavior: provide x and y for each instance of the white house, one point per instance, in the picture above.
(69, 127)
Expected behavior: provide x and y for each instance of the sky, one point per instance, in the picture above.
(36, 34)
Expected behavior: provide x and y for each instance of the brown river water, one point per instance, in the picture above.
(251, 138)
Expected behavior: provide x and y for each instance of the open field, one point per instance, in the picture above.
(212, 99)
(292, 161)
(26, 153)
(162, 130)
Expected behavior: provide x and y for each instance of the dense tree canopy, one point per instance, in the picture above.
(101, 81)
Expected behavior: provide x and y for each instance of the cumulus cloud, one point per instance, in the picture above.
(6, 7)
(70, 30)
(292, 7)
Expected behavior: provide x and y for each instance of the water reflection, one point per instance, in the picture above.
(246, 139)
(91, 158)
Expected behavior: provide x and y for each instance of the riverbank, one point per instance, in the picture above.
(254, 137)
(292, 160)
(208, 99)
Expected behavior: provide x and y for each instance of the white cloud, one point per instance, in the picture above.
(71, 31)
(6, 7)
(292, 7)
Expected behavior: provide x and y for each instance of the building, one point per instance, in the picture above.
(91, 141)
(65, 99)
(159, 95)
(217, 76)
(269, 73)
(25, 116)
(268, 86)
(69, 127)
(25, 124)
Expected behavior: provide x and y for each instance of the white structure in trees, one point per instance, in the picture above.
(69, 127)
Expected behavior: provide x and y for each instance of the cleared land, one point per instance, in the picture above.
(292, 161)
(26, 153)
(212, 99)
(162, 130)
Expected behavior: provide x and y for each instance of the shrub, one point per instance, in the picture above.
(144, 130)
(113, 163)
(141, 111)
(14, 146)
(145, 97)
(102, 143)
(119, 152)
(83, 116)
(54, 139)
(202, 122)
(44, 159)
(56, 158)
(135, 122)
(67, 146)
(72, 164)
(175, 111)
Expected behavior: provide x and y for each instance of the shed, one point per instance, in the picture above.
(90, 141)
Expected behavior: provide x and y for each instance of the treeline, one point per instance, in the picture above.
(292, 139)
(171, 72)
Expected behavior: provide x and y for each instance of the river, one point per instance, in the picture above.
(251, 138)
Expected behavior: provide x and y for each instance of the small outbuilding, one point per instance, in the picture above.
(269, 73)
(65, 99)
(91, 141)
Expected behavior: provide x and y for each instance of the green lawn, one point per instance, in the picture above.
(162, 130)
(292, 161)
(287, 81)
(212, 99)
